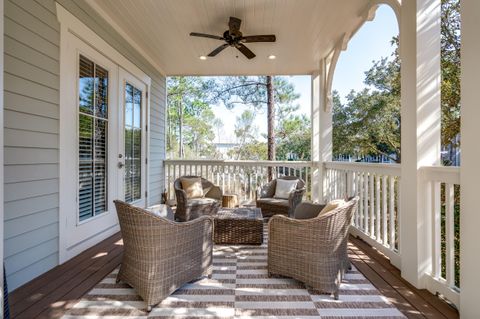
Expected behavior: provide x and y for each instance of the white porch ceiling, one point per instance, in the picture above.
(306, 31)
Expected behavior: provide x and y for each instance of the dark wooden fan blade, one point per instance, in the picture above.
(259, 38)
(234, 25)
(203, 35)
(246, 51)
(218, 50)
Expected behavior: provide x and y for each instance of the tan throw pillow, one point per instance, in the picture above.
(192, 186)
(284, 187)
(334, 204)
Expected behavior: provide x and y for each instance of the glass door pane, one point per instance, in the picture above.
(133, 143)
(92, 139)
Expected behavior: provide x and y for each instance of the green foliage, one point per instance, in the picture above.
(245, 132)
(252, 91)
(294, 134)
(369, 123)
(191, 121)
(450, 63)
(253, 151)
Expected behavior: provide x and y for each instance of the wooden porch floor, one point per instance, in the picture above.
(57, 291)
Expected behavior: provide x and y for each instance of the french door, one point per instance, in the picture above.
(132, 141)
(103, 138)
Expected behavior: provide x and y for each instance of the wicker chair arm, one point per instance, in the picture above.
(296, 197)
(181, 196)
(215, 192)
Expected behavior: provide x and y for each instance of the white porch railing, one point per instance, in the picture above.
(237, 177)
(378, 214)
(443, 192)
(377, 185)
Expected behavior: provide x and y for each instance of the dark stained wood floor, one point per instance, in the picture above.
(55, 292)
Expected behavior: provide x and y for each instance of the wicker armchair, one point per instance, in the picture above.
(191, 208)
(161, 255)
(272, 206)
(313, 251)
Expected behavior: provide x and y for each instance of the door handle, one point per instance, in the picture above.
(120, 165)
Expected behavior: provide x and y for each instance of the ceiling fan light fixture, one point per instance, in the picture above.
(233, 37)
(272, 57)
(202, 57)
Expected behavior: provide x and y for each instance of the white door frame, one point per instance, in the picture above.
(77, 37)
(125, 77)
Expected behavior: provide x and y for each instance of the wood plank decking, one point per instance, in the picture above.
(55, 292)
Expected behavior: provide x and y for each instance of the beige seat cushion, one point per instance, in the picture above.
(334, 204)
(284, 188)
(192, 187)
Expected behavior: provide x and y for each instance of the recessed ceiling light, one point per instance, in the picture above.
(272, 57)
(202, 57)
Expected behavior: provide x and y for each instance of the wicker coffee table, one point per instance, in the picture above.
(238, 226)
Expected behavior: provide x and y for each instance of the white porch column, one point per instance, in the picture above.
(421, 120)
(321, 131)
(469, 169)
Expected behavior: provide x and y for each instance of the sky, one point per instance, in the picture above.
(370, 43)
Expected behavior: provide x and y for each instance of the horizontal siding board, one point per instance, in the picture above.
(26, 258)
(32, 23)
(35, 269)
(19, 138)
(20, 155)
(40, 12)
(26, 87)
(14, 246)
(32, 172)
(24, 35)
(47, 4)
(25, 104)
(22, 225)
(22, 190)
(29, 206)
(19, 120)
(30, 55)
(32, 72)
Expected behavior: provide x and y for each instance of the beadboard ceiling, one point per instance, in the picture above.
(306, 31)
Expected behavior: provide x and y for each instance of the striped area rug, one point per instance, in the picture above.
(239, 288)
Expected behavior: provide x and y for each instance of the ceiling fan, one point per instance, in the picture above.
(234, 38)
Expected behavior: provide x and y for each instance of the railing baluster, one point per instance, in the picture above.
(360, 194)
(391, 194)
(365, 204)
(436, 228)
(372, 204)
(384, 210)
(449, 234)
(377, 208)
(355, 193)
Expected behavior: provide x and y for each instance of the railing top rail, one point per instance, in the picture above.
(445, 174)
(240, 163)
(380, 168)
